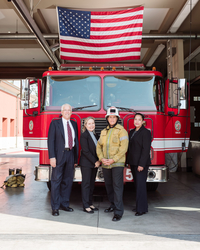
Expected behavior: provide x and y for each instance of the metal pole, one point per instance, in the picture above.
(23, 11)
(32, 36)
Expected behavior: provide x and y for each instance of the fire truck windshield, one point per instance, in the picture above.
(78, 91)
(131, 92)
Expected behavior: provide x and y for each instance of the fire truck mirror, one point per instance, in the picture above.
(182, 86)
(29, 93)
(24, 96)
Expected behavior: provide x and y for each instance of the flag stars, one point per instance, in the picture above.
(74, 23)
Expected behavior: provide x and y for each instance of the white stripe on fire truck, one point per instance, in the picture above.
(169, 143)
(158, 144)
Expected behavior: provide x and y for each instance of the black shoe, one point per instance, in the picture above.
(139, 213)
(116, 217)
(94, 208)
(67, 209)
(55, 212)
(88, 211)
(108, 210)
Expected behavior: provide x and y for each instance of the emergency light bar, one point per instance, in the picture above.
(101, 67)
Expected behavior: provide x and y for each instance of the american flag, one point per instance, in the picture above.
(100, 36)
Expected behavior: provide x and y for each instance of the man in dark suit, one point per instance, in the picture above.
(63, 155)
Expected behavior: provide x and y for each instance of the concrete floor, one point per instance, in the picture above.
(173, 221)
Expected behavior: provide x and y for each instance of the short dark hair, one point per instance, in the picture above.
(140, 115)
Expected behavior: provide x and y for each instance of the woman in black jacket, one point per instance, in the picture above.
(89, 163)
(138, 157)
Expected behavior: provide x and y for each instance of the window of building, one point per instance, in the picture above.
(4, 127)
(12, 127)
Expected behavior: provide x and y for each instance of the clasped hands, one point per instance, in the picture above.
(107, 162)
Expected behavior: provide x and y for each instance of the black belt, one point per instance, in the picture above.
(68, 149)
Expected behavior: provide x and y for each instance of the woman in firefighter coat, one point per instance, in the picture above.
(138, 157)
(111, 150)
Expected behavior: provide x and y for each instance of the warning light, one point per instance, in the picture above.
(113, 68)
(102, 68)
(50, 69)
(90, 68)
(154, 68)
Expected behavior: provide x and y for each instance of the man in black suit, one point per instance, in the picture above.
(63, 155)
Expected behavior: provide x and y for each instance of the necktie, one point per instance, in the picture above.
(69, 136)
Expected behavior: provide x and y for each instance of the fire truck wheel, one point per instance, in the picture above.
(49, 185)
(152, 186)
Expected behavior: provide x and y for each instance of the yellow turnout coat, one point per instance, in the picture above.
(113, 144)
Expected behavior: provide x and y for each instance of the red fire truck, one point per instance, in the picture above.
(90, 90)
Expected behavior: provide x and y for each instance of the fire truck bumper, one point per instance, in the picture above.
(158, 174)
(43, 173)
(155, 174)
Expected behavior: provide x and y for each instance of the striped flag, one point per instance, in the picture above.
(100, 36)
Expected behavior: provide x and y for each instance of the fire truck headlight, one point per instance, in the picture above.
(151, 174)
(100, 174)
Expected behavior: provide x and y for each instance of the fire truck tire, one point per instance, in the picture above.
(49, 185)
(152, 186)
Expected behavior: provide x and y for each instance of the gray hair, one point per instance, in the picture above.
(66, 104)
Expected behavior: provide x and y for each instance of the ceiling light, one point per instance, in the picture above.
(155, 55)
(189, 5)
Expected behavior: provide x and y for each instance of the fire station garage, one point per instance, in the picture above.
(136, 56)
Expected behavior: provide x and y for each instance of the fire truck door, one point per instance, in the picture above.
(176, 116)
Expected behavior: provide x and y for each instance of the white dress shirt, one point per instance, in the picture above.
(66, 132)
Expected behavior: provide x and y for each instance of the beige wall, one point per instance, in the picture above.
(10, 113)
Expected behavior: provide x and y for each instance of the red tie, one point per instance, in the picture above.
(70, 142)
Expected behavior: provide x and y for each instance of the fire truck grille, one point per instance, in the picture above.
(100, 124)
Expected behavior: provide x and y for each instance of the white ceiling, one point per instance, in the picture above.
(26, 55)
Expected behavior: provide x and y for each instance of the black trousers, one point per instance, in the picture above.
(87, 185)
(62, 180)
(141, 189)
(115, 186)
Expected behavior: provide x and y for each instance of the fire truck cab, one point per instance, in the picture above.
(90, 90)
